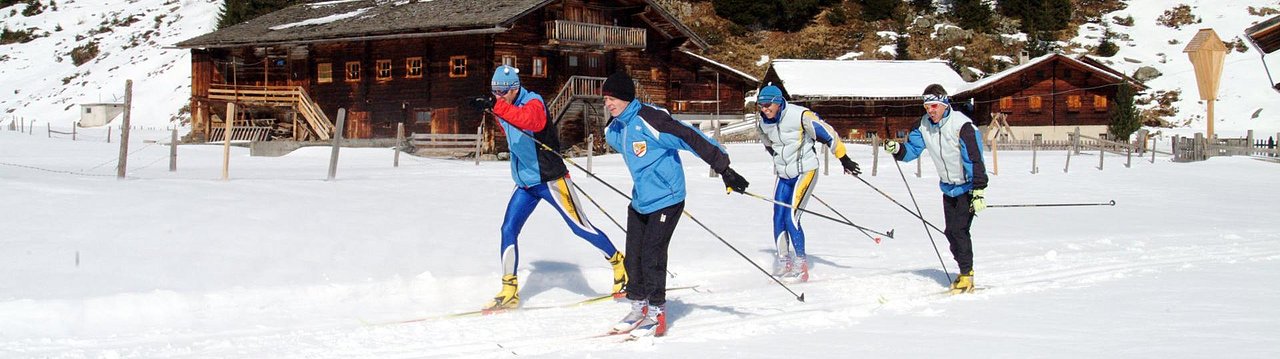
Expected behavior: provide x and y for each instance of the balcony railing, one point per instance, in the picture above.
(577, 33)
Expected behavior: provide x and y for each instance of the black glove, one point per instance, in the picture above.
(733, 181)
(850, 167)
(482, 103)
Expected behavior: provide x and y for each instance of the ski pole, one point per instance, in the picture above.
(922, 221)
(799, 297)
(1111, 203)
(886, 196)
(844, 222)
(833, 210)
(606, 214)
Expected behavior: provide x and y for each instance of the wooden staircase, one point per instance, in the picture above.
(317, 125)
(581, 96)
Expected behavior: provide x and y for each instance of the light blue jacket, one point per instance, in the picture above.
(649, 141)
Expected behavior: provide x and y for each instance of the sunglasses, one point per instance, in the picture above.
(932, 106)
(766, 105)
(499, 92)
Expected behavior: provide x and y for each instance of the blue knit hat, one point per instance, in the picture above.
(770, 94)
(505, 78)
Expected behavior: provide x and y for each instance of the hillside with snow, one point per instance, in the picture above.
(38, 79)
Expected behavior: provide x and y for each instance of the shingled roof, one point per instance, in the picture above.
(348, 20)
(361, 19)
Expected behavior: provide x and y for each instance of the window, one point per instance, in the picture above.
(1073, 103)
(353, 71)
(1006, 103)
(1099, 103)
(413, 68)
(593, 61)
(539, 67)
(1039, 138)
(423, 118)
(384, 70)
(509, 60)
(573, 60)
(324, 72)
(457, 66)
(1033, 103)
(88, 110)
(654, 74)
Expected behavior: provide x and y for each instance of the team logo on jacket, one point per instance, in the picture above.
(639, 148)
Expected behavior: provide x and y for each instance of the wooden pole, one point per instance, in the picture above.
(399, 143)
(1210, 135)
(1101, 152)
(919, 166)
(337, 143)
(73, 131)
(173, 149)
(122, 164)
(995, 153)
(1035, 147)
(479, 139)
(591, 150)
(1069, 150)
(226, 141)
(875, 154)
(1153, 149)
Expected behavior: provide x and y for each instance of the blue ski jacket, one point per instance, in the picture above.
(649, 141)
(531, 165)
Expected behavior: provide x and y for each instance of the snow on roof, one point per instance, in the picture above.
(862, 79)
(723, 66)
(1016, 69)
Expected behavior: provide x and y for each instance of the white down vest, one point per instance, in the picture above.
(792, 140)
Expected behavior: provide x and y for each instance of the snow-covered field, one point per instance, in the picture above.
(278, 262)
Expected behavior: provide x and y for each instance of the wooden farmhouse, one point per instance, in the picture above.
(1045, 97)
(417, 62)
(862, 98)
(1048, 97)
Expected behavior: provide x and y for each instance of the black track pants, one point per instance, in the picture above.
(646, 261)
(956, 210)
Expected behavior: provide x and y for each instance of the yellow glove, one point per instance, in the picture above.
(891, 147)
(978, 203)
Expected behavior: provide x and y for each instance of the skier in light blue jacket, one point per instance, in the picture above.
(649, 141)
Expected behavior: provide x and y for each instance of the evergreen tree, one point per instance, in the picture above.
(1107, 47)
(903, 46)
(876, 10)
(1124, 116)
(789, 15)
(925, 6)
(238, 11)
(972, 14)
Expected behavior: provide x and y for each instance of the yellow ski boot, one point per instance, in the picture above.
(507, 298)
(619, 275)
(963, 283)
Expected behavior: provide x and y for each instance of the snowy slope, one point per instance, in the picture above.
(279, 263)
(1244, 89)
(38, 80)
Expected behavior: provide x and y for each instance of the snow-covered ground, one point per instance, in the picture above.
(278, 262)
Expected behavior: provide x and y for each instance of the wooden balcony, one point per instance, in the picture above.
(561, 32)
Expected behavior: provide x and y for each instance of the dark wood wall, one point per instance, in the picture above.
(1057, 83)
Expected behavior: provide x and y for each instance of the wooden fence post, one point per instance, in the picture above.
(399, 144)
(121, 165)
(1069, 150)
(173, 150)
(1248, 143)
(337, 143)
(1128, 157)
(875, 154)
(1199, 147)
(1153, 149)
(919, 166)
(73, 131)
(226, 141)
(995, 153)
(1035, 147)
(1101, 152)
(1076, 143)
(591, 151)
(479, 139)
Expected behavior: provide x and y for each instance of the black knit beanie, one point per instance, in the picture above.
(620, 86)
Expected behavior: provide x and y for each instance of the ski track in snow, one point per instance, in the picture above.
(853, 280)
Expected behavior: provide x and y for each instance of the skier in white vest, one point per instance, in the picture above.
(955, 146)
(790, 133)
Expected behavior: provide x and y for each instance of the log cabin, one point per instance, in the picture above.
(417, 62)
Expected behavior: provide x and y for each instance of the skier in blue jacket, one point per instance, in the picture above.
(955, 146)
(540, 175)
(649, 141)
(790, 133)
